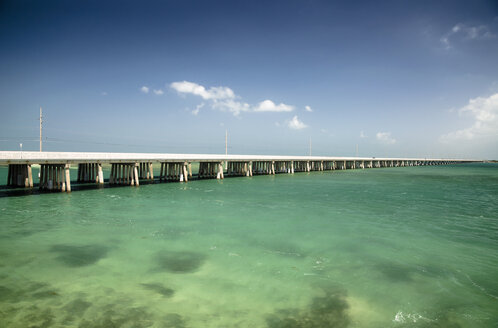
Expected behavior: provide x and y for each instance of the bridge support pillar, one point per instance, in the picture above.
(219, 175)
(68, 177)
(263, 167)
(124, 174)
(210, 170)
(90, 172)
(146, 171)
(174, 171)
(238, 169)
(100, 175)
(54, 177)
(135, 174)
(20, 175)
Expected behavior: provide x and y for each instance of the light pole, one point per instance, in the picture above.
(226, 148)
(41, 127)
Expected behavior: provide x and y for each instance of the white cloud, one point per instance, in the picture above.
(224, 99)
(484, 112)
(296, 124)
(213, 93)
(385, 137)
(197, 109)
(362, 135)
(144, 89)
(464, 32)
(158, 92)
(308, 108)
(269, 106)
(232, 106)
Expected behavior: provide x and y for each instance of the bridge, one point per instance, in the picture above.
(131, 168)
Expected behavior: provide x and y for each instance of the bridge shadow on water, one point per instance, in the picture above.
(7, 191)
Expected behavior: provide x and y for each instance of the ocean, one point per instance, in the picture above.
(385, 247)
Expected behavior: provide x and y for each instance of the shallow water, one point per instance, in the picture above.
(390, 247)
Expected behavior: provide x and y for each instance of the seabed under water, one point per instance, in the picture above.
(390, 247)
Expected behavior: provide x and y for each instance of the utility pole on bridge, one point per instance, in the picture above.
(41, 126)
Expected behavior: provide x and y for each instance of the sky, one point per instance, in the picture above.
(367, 78)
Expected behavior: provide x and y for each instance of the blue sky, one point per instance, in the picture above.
(393, 78)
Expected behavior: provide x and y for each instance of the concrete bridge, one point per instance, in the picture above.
(131, 168)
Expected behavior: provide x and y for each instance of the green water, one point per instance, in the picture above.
(391, 247)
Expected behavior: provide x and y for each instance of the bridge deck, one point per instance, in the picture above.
(30, 157)
(129, 168)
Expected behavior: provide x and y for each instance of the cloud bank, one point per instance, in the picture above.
(224, 99)
(484, 113)
(464, 32)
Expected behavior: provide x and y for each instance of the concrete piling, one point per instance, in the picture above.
(235, 169)
(174, 171)
(20, 175)
(55, 177)
(124, 174)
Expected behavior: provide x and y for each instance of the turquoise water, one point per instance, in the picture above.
(390, 247)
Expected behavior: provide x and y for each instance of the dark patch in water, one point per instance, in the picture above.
(160, 289)
(78, 256)
(395, 272)
(179, 262)
(324, 312)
